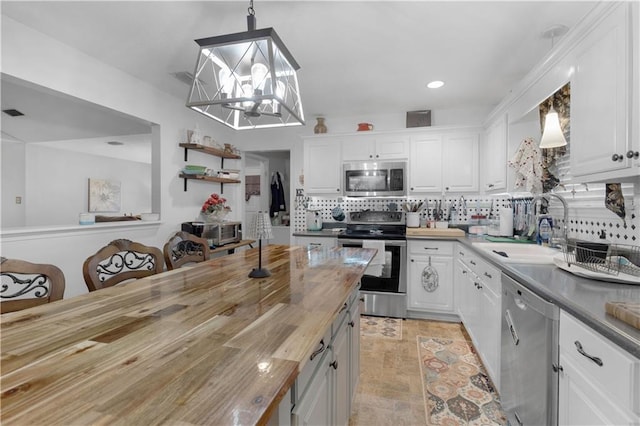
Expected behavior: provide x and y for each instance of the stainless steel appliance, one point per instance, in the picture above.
(374, 178)
(216, 234)
(385, 294)
(529, 356)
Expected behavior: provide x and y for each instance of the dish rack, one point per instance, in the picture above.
(611, 259)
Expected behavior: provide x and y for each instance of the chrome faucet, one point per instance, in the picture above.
(547, 196)
(463, 205)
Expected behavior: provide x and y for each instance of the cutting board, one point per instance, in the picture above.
(628, 312)
(435, 232)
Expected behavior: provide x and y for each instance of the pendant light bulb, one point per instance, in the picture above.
(226, 83)
(552, 136)
(259, 76)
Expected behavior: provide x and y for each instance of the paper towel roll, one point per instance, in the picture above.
(506, 222)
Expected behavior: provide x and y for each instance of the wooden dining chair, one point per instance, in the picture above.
(121, 260)
(25, 284)
(183, 248)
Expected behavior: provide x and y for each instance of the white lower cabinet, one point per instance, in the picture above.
(599, 381)
(430, 269)
(479, 296)
(326, 394)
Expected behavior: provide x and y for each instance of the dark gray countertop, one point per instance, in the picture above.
(581, 297)
(323, 233)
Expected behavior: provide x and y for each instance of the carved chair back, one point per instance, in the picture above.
(121, 260)
(183, 248)
(25, 284)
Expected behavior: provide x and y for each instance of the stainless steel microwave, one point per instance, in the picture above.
(374, 178)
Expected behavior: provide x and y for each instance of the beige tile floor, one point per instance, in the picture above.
(390, 388)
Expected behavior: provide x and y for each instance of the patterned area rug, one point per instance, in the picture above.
(456, 388)
(390, 328)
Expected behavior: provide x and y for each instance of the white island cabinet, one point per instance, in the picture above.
(325, 388)
(598, 380)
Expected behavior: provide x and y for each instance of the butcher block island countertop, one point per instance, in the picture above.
(199, 345)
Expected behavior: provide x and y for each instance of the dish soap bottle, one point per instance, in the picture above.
(545, 229)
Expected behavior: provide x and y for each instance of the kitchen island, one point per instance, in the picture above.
(198, 345)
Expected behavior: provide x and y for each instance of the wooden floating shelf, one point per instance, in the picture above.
(210, 150)
(207, 179)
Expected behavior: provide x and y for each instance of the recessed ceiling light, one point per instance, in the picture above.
(115, 143)
(435, 84)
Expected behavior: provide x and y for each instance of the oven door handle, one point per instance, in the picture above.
(396, 243)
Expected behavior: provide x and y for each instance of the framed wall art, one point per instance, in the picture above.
(104, 195)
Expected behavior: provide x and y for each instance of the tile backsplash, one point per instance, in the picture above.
(588, 218)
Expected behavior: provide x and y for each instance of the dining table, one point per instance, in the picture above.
(202, 344)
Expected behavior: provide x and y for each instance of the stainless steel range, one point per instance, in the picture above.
(384, 283)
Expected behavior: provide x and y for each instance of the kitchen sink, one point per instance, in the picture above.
(519, 253)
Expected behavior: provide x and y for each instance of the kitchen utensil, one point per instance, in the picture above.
(337, 214)
(314, 219)
(430, 278)
(392, 207)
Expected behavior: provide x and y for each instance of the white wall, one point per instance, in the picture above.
(66, 172)
(13, 177)
(72, 72)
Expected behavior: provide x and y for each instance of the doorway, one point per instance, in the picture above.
(267, 174)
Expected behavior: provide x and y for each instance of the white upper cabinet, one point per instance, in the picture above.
(445, 161)
(375, 147)
(460, 162)
(425, 173)
(601, 100)
(322, 166)
(494, 156)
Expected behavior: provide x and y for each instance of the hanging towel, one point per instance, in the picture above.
(527, 163)
(377, 263)
(277, 195)
(614, 201)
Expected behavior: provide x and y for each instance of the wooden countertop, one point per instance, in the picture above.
(435, 232)
(198, 345)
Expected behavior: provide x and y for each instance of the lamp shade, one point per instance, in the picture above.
(260, 227)
(246, 80)
(552, 136)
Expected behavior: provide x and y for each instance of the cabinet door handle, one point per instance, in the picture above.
(472, 262)
(345, 306)
(464, 271)
(583, 353)
(632, 154)
(488, 275)
(557, 368)
(352, 324)
(319, 350)
(431, 248)
(461, 253)
(334, 364)
(338, 189)
(490, 185)
(617, 157)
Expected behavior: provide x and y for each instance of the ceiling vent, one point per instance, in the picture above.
(186, 77)
(12, 112)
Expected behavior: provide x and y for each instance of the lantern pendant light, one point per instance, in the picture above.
(247, 80)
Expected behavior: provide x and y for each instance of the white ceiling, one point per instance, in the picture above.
(356, 58)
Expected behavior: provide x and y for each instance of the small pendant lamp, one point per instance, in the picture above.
(552, 136)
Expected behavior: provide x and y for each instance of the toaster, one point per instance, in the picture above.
(216, 234)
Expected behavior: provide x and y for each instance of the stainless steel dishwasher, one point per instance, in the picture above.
(529, 355)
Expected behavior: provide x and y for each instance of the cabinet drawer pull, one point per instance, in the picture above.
(472, 262)
(633, 154)
(464, 271)
(617, 157)
(344, 307)
(461, 253)
(334, 364)
(431, 248)
(557, 368)
(352, 324)
(319, 351)
(583, 353)
(488, 275)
